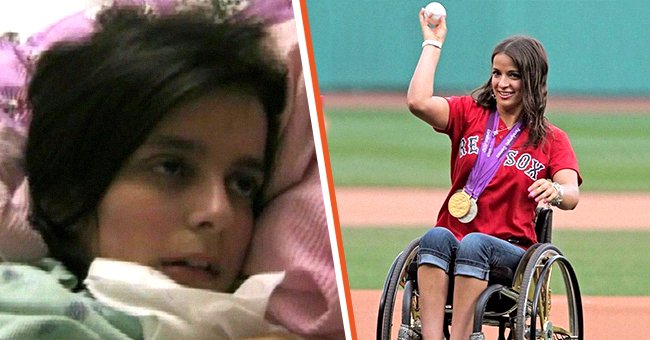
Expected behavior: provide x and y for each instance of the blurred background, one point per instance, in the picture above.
(594, 47)
(27, 17)
(391, 170)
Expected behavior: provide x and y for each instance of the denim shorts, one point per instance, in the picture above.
(472, 256)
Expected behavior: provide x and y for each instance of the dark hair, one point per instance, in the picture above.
(95, 101)
(530, 58)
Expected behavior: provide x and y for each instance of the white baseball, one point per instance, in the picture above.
(434, 11)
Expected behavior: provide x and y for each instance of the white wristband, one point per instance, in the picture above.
(434, 43)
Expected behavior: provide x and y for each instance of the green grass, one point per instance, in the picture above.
(609, 263)
(393, 148)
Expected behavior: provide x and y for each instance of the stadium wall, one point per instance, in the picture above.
(594, 47)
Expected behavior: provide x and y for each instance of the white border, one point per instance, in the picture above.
(309, 85)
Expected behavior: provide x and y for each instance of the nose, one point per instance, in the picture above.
(210, 207)
(503, 82)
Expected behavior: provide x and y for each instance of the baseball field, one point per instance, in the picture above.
(391, 173)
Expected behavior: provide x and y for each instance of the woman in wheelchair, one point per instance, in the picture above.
(506, 159)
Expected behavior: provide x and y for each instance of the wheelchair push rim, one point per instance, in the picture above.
(396, 278)
(535, 318)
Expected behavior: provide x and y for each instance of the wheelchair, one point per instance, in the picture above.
(518, 302)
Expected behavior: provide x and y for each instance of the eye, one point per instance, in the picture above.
(245, 185)
(515, 75)
(173, 168)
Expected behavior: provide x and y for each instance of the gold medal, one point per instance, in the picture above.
(471, 214)
(459, 204)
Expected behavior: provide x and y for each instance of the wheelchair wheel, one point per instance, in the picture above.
(398, 276)
(535, 319)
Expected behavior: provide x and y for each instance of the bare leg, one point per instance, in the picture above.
(466, 292)
(433, 283)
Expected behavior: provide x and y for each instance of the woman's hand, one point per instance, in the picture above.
(439, 32)
(542, 190)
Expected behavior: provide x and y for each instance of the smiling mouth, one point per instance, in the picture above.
(505, 95)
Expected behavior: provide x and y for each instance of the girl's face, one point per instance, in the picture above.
(182, 203)
(506, 85)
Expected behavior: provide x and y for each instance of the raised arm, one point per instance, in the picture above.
(421, 101)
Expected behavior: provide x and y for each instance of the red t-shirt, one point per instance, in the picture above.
(504, 208)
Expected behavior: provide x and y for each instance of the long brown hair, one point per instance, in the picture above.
(529, 56)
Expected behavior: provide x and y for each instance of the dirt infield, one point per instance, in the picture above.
(368, 207)
(394, 100)
(606, 318)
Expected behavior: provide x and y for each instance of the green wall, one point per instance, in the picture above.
(594, 47)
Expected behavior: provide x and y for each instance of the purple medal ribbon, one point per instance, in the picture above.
(487, 164)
